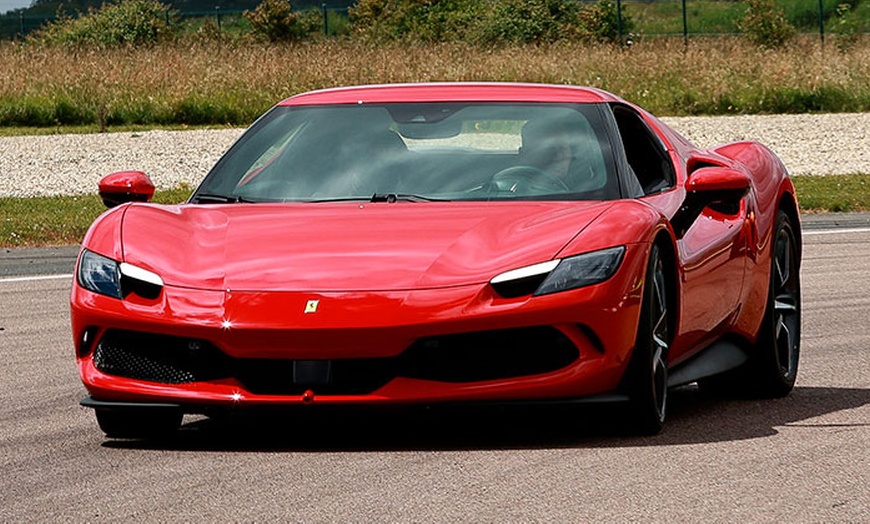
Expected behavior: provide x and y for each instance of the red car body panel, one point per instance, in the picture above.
(435, 92)
(379, 322)
(242, 277)
(372, 325)
(210, 247)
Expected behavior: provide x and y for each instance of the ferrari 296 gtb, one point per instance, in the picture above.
(425, 244)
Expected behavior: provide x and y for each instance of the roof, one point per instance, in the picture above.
(452, 92)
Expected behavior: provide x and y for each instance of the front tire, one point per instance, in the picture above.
(649, 366)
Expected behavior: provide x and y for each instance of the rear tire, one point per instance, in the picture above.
(138, 424)
(773, 362)
(649, 365)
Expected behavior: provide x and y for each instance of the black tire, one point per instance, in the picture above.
(774, 361)
(649, 364)
(139, 424)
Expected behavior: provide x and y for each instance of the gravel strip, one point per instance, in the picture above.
(827, 144)
(71, 164)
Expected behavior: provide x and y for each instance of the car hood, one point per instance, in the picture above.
(347, 247)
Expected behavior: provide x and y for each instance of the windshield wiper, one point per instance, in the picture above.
(405, 197)
(338, 199)
(210, 198)
(380, 197)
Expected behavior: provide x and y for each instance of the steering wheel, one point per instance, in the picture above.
(515, 179)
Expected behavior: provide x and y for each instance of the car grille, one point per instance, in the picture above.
(159, 358)
(469, 357)
(488, 355)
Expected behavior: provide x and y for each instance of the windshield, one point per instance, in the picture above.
(418, 152)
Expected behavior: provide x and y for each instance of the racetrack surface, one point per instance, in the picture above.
(802, 458)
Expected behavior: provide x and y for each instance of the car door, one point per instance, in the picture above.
(710, 252)
(713, 254)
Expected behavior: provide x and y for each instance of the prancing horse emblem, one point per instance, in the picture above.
(311, 306)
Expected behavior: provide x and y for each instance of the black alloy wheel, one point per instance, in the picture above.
(773, 360)
(778, 349)
(649, 397)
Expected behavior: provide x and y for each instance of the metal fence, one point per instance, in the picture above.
(18, 25)
(700, 18)
(681, 18)
(220, 16)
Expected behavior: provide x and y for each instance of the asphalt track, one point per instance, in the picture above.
(803, 458)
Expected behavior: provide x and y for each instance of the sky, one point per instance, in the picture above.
(8, 5)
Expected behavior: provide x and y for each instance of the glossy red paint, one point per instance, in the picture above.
(104, 235)
(717, 179)
(435, 92)
(383, 275)
(126, 186)
(370, 325)
(298, 247)
(771, 190)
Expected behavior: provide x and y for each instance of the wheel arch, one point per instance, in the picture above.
(788, 205)
(757, 279)
(668, 251)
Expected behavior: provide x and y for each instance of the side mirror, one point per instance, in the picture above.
(718, 183)
(719, 188)
(126, 186)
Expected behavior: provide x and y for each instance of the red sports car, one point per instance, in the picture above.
(442, 243)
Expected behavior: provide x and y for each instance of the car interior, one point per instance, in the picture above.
(646, 155)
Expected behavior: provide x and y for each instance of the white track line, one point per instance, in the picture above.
(837, 231)
(35, 278)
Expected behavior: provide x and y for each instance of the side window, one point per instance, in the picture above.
(644, 152)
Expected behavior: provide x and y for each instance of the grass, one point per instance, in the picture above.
(62, 220)
(717, 17)
(833, 193)
(58, 220)
(702, 16)
(209, 83)
(93, 128)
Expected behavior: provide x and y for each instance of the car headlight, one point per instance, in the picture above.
(116, 279)
(559, 275)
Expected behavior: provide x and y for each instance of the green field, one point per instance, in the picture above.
(719, 17)
(206, 84)
(665, 17)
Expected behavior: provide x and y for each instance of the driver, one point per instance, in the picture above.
(549, 147)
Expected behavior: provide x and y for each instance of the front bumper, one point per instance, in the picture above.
(461, 344)
(195, 408)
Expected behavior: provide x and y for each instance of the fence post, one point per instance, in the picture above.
(686, 27)
(619, 22)
(325, 19)
(21, 24)
(217, 11)
(822, 22)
